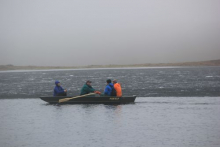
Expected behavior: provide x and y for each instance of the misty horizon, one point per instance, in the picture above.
(80, 33)
(187, 63)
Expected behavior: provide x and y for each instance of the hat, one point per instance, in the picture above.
(88, 81)
(114, 81)
(56, 82)
(109, 81)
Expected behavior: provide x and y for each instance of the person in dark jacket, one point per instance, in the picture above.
(87, 88)
(58, 90)
(108, 88)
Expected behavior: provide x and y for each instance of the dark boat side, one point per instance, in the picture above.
(91, 100)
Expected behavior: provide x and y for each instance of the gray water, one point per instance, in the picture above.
(175, 107)
(151, 121)
(143, 82)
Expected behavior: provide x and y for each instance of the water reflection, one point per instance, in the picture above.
(34, 123)
(116, 108)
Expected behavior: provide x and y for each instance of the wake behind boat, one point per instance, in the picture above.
(90, 99)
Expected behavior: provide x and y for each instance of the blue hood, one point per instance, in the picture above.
(111, 85)
(56, 82)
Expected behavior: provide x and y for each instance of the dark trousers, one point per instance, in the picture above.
(62, 94)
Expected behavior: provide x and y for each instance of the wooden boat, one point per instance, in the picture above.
(90, 99)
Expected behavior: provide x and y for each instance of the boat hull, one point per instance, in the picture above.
(90, 100)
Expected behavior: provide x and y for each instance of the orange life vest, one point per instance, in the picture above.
(117, 87)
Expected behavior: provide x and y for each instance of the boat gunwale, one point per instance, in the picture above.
(95, 99)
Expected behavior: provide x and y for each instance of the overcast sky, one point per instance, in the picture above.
(97, 32)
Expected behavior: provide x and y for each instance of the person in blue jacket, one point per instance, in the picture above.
(108, 88)
(58, 90)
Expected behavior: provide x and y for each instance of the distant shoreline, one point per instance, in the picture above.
(201, 63)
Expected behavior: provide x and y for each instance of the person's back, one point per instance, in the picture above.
(117, 87)
(108, 88)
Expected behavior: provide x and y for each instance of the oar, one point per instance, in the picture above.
(67, 99)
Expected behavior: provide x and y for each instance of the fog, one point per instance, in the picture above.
(74, 33)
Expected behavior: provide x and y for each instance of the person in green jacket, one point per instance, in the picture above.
(87, 88)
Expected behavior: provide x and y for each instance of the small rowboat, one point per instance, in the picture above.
(90, 99)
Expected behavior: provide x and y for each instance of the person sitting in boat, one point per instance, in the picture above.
(58, 90)
(109, 89)
(87, 88)
(117, 87)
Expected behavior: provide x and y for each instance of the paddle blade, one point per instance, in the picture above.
(64, 100)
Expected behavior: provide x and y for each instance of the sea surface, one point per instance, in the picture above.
(175, 107)
(142, 82)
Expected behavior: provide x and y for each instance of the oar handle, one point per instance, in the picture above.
(67, 99)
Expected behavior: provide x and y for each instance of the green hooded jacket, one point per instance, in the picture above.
(86, 89)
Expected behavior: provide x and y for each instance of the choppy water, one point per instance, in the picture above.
(152, 121)
(143, 82)
(175, 107)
